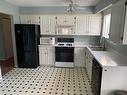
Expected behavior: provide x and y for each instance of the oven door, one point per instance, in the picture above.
(64, 54)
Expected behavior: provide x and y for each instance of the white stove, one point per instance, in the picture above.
(63, 44)
(64, 52)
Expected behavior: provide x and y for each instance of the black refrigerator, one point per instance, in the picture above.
(27, 41)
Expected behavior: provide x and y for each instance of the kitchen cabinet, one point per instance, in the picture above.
(46, 55)
(48, 24)
(118, 32)
(89, 62)
(66, 20)
(88, 24)
(30, 19)
(107, 79)
(82, 24)
(79, 56)
(108, 72)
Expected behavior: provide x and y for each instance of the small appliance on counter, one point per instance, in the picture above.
(64, 52)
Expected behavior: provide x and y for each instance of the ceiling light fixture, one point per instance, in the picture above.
(72, 7)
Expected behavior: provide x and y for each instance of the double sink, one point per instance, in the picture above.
(97, 48)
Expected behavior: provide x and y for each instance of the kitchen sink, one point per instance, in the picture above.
(97, 49)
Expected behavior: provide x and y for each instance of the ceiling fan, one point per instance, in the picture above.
(72, 7)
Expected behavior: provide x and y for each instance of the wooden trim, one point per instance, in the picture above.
(7, 65)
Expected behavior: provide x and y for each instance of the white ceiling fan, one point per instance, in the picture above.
(72, 7)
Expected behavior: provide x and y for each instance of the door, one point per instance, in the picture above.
(48, 24)
(95, 24)
(79, 57)
(8, 37)
(29, 38)
(96, 77)
(51, 56)
(20, 45)
(30, 19)
(43, 55)
(7, 62)
(82, 25)
(64, 54)
(66, 20)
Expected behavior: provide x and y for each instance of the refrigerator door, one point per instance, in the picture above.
(29, 38)
(30, 60)
(26, 42)
(19, 38)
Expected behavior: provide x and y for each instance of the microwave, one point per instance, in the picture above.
(47, 40)
(65, 29)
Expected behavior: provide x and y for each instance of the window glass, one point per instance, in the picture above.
(106, 25)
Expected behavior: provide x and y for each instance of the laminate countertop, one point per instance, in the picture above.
(107, 58)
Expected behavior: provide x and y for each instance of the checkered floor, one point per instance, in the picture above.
(46, 81)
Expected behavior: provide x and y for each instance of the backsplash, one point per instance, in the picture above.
(87, 40)
(119, 48)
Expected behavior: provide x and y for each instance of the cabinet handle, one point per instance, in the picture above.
(122, 38)
(126, 3)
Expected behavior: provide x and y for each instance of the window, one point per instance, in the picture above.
(106, 25)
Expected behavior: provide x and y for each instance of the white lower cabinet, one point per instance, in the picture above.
(89, 62)
(46, 55)
(79, 56)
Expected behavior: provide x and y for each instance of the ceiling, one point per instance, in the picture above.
(38, 3)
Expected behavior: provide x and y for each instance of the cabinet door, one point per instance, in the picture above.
(51, 56)
(79, 57)
(88, 24)
(30, 19)
(89, 62)
(95, 22)
(48, 24)
(25, 19)
(66, 20)
(43, 55)
(82, 25)
(117, 21)
(34, 19)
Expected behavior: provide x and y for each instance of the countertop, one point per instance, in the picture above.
(76, 46)
(107, 58)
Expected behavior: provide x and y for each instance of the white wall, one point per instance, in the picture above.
(7, 8)
(103, 4)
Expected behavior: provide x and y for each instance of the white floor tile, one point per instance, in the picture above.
(46, 81)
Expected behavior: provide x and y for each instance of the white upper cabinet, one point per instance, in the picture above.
(118, 32)
(30, 19)
(66, 20)
(48, 24)
(95, 22)
(81, 24)
(88, 24)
